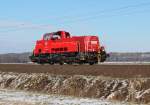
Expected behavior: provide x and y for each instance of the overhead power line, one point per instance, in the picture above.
(83, 18)
(89, 14)
(100, 13)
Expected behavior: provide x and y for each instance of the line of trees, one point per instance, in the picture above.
(114, 57)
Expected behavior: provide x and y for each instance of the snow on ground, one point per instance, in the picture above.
(10, 97)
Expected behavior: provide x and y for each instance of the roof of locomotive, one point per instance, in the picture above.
(68, 34)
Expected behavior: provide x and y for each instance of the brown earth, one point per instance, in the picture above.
(126, 82)
(128, 90)
(111, 70)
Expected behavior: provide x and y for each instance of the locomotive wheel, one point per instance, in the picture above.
(81, 62)
(91, 63)
(61, 62)
(39, 61)
(70, 63)
(51, 63)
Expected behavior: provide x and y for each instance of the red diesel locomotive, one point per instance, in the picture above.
(60, 47)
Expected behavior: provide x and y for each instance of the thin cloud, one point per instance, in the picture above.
(8, 25)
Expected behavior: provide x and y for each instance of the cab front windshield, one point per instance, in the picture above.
(51, 36)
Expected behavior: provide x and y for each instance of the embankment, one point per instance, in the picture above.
(130, 90)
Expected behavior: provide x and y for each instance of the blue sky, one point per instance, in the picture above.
(122, 25)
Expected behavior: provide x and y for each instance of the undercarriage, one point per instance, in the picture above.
(70, 58)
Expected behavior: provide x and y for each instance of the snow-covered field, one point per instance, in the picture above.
(9, 97)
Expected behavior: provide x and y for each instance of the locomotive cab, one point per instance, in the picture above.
(56, 35)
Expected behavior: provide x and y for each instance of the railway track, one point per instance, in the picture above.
(111, 70)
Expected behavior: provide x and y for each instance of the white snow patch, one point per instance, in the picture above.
(44, 99)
